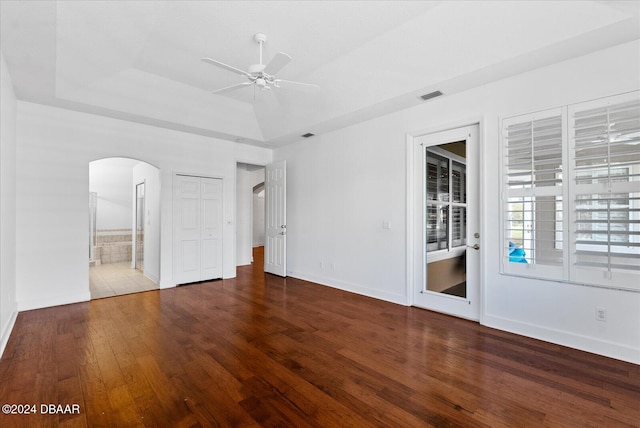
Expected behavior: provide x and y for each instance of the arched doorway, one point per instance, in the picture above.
(124, 235)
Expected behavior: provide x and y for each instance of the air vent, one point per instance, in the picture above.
(430, 95)
(308, 134)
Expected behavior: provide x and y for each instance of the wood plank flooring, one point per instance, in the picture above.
(265, 351)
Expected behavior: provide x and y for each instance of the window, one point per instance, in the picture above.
(571, 193)
(605, 211)
(533, 191)
(446, 201)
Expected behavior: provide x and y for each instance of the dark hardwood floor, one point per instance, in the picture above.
(265, 351)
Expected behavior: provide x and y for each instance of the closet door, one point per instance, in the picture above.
(211, 231)
(197, 229)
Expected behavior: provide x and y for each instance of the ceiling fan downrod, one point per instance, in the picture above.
(260, 38)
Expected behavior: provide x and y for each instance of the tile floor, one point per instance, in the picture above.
(114, 279)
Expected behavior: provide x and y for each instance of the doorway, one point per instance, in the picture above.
(124, 236)
(445, 237)
(267, 186)
(250, 210)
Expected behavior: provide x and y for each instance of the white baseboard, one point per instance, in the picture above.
(27, 305)
(6, 332)
(152, 277)
(399, 299)
(564, 338)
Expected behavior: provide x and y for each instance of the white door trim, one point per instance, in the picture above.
(410, 216)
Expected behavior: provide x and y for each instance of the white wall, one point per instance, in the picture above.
(8, 307)
(341, 187)
(150, 175)
(111, 180)
(54, 148)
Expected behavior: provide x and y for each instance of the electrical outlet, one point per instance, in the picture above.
(601, 314)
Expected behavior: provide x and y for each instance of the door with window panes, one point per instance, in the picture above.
(446, 278)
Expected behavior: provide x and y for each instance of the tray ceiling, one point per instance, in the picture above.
(140, 60)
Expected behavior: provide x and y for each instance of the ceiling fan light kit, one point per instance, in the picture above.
(260, 75)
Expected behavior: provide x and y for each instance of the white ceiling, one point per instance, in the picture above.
(140, 60)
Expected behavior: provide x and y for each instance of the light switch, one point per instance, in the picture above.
(386, 225)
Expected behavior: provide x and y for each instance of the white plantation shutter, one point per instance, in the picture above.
(571, 193)
(533, 149)
(605, 205)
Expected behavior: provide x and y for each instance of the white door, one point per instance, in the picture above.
(211, 232)
(198, 228)
(275, 244)
(446, 239)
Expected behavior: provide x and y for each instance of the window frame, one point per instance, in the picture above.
(617, 276)
(528, 194)
(583, 274)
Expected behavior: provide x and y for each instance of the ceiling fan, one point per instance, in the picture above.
(260, 75)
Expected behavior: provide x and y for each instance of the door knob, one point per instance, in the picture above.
(474, 246)
(284, 226)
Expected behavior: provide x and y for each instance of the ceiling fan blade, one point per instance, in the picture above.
(308, 87)
(226, 67)
(231, 88)
(277, 62)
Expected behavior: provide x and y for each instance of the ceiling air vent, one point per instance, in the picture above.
(308, 134)
(430, 95)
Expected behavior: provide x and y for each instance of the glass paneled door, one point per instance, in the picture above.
(446, 219)
(445, 215)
